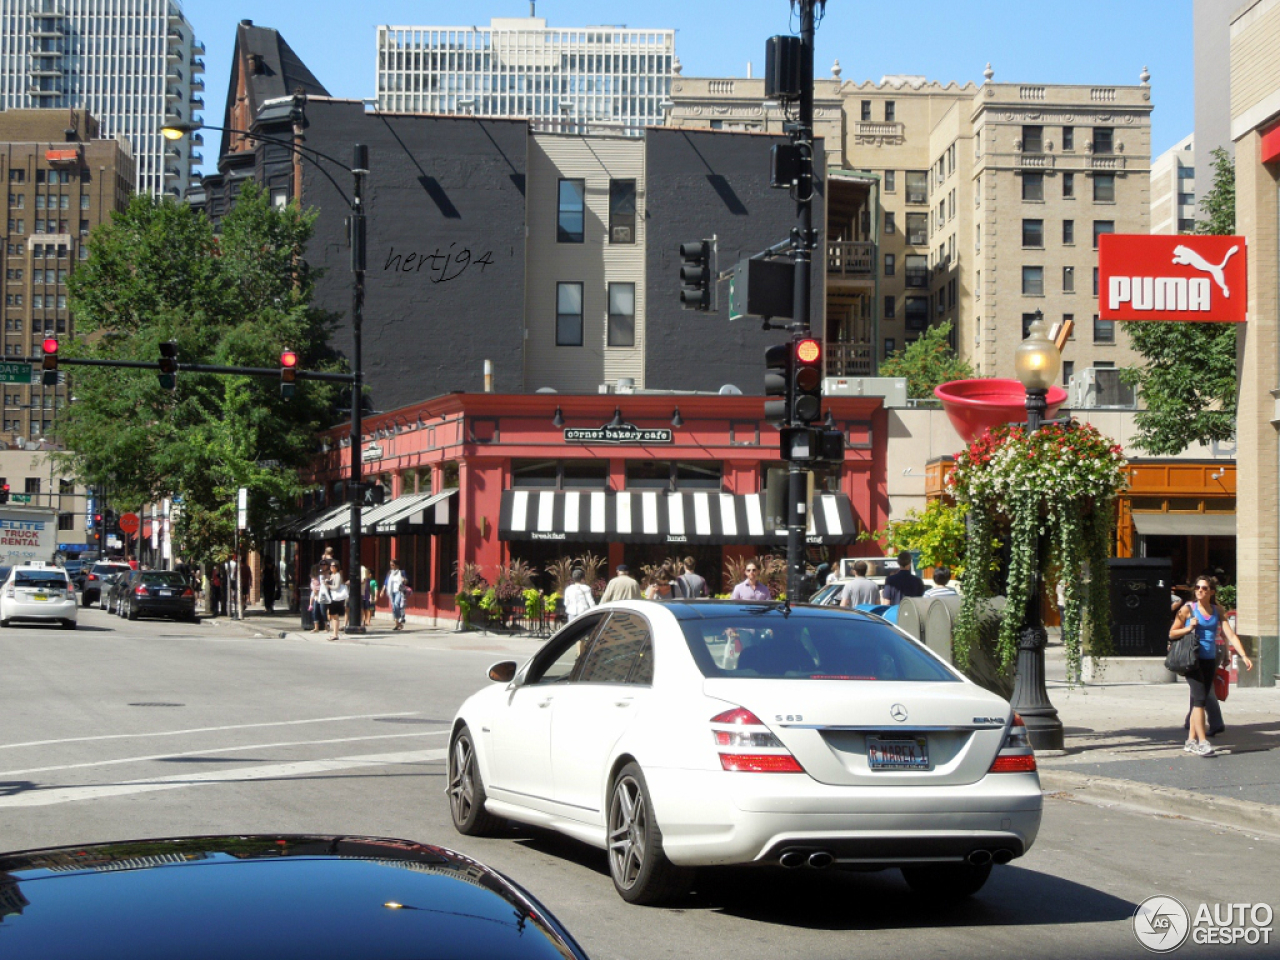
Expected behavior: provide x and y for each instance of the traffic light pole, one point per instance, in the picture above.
(803, 243)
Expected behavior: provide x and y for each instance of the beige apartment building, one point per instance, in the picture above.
(978, 204)
(62, 182)
(1173, 188)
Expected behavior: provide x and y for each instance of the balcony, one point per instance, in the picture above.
(851, 258)
(197, 48)
(1035, 161)
(850, 359)
(197, 85)
(874, 133)
(197, 65)
(197, 104)
(1108, 161)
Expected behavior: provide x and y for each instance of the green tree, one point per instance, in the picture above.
(1188, 383)
(158, 272)
(927, 362)
(938, 533)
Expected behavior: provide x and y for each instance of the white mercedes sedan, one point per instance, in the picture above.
(694, 733)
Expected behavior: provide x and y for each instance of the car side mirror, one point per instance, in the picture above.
(503, 672)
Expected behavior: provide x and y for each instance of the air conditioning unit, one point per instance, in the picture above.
(621, 235)
(1095, 387)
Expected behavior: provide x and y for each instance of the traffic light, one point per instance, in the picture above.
(169, 365)
(375, 494)
(777, 383)
(697, 281)
(49, 363)
(288, 373)
(806, 380)
(4, 490)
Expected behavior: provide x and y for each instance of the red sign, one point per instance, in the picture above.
(1196, 279)
(129, 523)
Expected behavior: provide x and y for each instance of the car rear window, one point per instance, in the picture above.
(770, 644)
(164, 578)
(40, 580)
(102, 569)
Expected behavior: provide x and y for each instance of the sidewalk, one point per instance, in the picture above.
(1123, 740)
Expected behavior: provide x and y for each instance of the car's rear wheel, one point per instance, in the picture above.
(466, 790)
(641, 872)
(68, 624)
(4, 623)
(84, 600)
(131, 612)
(947, 881)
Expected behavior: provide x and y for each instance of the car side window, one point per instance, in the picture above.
(622, 653)
(555, 663)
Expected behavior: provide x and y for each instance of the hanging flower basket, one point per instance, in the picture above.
(1056, 487)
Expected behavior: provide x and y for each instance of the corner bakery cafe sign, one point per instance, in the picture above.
(623, 433)
(1196, 279)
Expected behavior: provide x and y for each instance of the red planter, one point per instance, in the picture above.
(975, 406)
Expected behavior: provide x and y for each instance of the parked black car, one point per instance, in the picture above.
(268, 896)
(90, 584)
(156, 593)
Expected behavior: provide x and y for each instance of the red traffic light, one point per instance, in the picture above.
(50, 345)
(288, 358)
(808, 351)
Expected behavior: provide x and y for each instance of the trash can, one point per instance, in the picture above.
(1140, 605)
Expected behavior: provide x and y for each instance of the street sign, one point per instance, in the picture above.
(16, 373)
(129, 523)
(20, 497)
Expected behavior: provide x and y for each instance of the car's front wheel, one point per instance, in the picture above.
(947, 881)
(466, 790)
(640, 869)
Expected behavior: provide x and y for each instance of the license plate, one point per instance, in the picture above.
(897, 753)
(40, 596)
(165, 593)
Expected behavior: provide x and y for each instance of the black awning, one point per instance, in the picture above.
(659, 517)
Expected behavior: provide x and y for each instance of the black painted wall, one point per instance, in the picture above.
(701, 183)
(445, 218)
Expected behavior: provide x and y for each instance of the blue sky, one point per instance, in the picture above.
(1084, 41)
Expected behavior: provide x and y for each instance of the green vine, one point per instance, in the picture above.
(1056, 487)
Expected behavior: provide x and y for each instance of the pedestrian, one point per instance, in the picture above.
(694, 585)
(246, 585)
(315, 603)
(269, 587)
(662, 586)
(941, 583)
(216, 593)
(395, 586)
(1205, 618)
(370, 594)
(578, 598)
(751, 588)
(338, 592)
(622, 587)
(902, 583)
(861, 590)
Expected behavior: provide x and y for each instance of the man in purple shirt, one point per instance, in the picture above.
(751, 588)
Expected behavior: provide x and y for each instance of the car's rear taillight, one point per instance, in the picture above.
(92, 576)
(747, 746)
(141, 591)
(1016, 755)
(188, 592)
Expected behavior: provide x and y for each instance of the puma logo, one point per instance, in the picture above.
(1186, 257)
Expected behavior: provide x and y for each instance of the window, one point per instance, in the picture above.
(889, 223)
(568, 314)
(1032, 138)
(571, 211)
(1033, 186)
(890, 264)
(622, 314)
(66, 521)
(1033, 233)
(1068, 185)
(702, 475)
(31, 485)
(1095, 281)
(890, 111)
(1186, 225)
(1068, 232)
(1068, 370)
(1068, 138)
(622, 211)
(917, 312)
(917, 186)
(917, 270)
(622, 653)
(890, 181)
(890, 345)
(37, 301)
(1104, 331)
(1027, 320)
(866, 110)
(1100, 227)
(17, 176)
(977, 285)
(1103, 140)
(1104, 187)
(557, 663)
(917, 229)
(1033, 281)
(890, 307)
(1068, 279)
(1186, 199)
(1070, 318)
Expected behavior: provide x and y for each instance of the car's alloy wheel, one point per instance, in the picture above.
(947, 881)
(131, 612)
(466, 790)
(640, 869)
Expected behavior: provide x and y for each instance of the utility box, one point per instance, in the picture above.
(1141, 601)
(893, 389)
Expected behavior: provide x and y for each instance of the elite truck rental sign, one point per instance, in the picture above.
(1192, 279)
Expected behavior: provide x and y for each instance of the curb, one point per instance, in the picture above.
(1165, 801)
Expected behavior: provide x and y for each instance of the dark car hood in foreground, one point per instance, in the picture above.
(267, 896)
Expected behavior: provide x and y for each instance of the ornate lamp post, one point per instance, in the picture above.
(1037, 362)
(358, 169)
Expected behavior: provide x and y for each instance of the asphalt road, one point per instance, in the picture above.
(121, 730)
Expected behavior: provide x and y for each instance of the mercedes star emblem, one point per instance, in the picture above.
(898, 712)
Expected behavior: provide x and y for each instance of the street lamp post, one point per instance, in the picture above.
(358, 169)
(1037, 361)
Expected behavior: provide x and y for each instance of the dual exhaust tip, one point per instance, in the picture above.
(821, 859)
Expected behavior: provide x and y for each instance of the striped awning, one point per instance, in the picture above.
(411, 513)
(654, 517)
